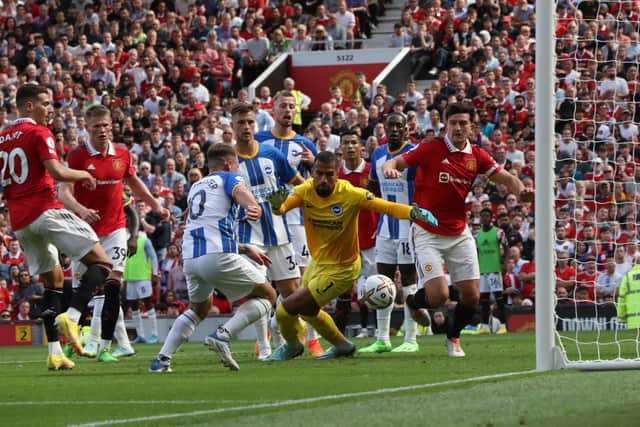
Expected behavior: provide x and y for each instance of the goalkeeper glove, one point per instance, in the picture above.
(419, 214)
(276, 198)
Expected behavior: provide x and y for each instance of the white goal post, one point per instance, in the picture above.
(604, 347)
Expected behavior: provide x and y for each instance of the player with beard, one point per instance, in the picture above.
(300, 153)
(265, 169)
(446, 170)
(330, 207)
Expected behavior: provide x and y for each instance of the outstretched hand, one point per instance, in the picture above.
(277, 198)
(419, 214)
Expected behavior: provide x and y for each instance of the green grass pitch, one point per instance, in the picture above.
(306, 392)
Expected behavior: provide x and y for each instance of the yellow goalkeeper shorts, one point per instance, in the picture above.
(327, 282)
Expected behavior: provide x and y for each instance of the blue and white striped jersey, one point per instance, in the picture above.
(291, 147)
(394, 190)
(264, 172)
(211, 218)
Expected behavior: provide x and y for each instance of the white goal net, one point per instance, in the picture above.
(595, 59)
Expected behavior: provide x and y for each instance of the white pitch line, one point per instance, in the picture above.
(119, 402)
(18, 362)
(293, 402)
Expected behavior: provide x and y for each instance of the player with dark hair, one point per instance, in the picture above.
(330, 207)
(265, 169)
(492, 245)
(212, 260)
(30, 164)
(392, 239)
(300, 153)
(446, 170)
(356, 170)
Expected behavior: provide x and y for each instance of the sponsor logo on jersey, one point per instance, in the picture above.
(445, 178)
(428, 268)
(116, 164)
(337, 209)
(445, 161)
(91, 167)
(268, 170)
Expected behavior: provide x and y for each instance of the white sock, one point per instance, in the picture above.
(246, 314)
(410, 325)
(120, 333)
(262, 331)
(276, 338)
(96, 320)
(54, 347)
(312, 334)
(383, 318)
(105, 344)
(151, 313)
(180, 332)
(135, 315)
(74, 314)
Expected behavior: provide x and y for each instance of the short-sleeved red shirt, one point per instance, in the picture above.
(109, 171)
(444, 178)
(27, 185)
(367, 220)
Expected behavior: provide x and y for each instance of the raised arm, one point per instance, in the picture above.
(141, 191)
(398, 210)
(514, 184)
(392, 168)
(61, 173)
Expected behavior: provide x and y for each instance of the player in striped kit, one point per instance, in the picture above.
(392, 236)
(300, 153)
(265, 169)
(211, 259)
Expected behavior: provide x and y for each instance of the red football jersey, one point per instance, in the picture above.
(28, 187)
(9, 259)
(444, 178)
(109, 171)
(367, 220)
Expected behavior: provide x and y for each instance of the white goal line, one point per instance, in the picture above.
(120, 402)
(293, 402)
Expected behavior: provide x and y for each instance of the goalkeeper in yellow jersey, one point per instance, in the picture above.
(330, 208)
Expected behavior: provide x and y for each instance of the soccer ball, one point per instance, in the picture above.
(378, 292)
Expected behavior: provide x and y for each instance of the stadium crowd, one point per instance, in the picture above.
(171, 71)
